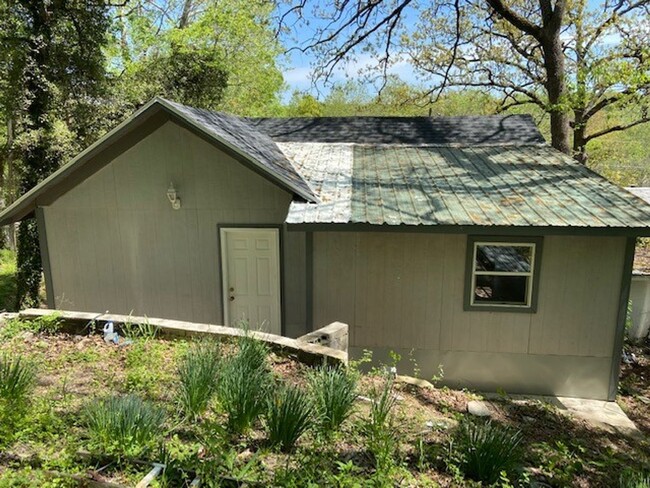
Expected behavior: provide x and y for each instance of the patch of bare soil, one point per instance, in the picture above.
(634, 390)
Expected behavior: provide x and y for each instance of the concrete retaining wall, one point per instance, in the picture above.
(305, 350)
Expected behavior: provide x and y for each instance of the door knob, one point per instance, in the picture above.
(231, 298)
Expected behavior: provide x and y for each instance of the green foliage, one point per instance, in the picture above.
(141, 330)
(289, 415)
(334, 391)
(197, 373)
(244, 381)
(125, 426)
(17, 381)
(143, 372)
(7, 280)
(379, 428)
(561, 462)
(633, 479)
(17, 378)
(217, 55)
(484, 450)
(53, 73)
(47, 324)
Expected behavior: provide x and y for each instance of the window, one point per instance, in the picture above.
(502, 274)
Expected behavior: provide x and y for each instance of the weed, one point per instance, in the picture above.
(633, 479)
(334, 391)
(379, 429)
(197, 372)
(484, 450)
(143, 373)
(288, 416)
(47, 324)
(561, 462)
(125, 426)
(140, 330)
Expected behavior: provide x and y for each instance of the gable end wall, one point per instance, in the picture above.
(116, 244)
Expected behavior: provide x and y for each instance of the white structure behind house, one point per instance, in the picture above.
(640, 289)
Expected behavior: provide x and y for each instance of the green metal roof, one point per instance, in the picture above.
(510, 185)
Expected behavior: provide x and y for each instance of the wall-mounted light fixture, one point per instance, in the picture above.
(173, 197)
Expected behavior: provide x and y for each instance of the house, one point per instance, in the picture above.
(461, 242)
(640, 288)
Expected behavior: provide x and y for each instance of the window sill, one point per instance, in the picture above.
(492, 308)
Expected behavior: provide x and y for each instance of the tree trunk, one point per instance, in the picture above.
(556, 89)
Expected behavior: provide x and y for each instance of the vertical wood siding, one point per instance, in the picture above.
(116, 244)
(405, 292)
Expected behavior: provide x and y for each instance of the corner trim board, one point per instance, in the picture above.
(45, 257)
(626, 281)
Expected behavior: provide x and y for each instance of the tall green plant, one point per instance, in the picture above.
(334, 391)
(483, 450)
(197, 373)
(17, 380)
(289, 415)
(633, 479)
(244, 380)
(379, 429)
(125, 426)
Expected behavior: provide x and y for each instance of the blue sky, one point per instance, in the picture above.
(298, 65)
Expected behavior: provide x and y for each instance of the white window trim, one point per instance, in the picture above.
(530, 274)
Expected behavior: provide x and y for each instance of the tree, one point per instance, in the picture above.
(572, 60)
(214, 54)
(52, 53)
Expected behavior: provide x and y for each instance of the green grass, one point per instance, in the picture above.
(7, 280)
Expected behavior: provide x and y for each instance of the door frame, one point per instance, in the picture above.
(223, 270)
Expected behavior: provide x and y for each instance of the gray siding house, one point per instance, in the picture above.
(466, 243)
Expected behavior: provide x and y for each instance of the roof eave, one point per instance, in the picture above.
(27, 203)
(469, 229)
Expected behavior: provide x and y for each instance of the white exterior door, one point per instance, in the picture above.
(251, 278)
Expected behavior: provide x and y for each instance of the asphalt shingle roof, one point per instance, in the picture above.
(236, 131)
(402, 130)
(499, 185)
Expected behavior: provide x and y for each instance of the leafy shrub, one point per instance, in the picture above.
(125, 426)
(483, 450)
(17, 378)
(334, 391)
(379, 429)
(244, 379)
(633, 479)
(197, 372)
(289, 415)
